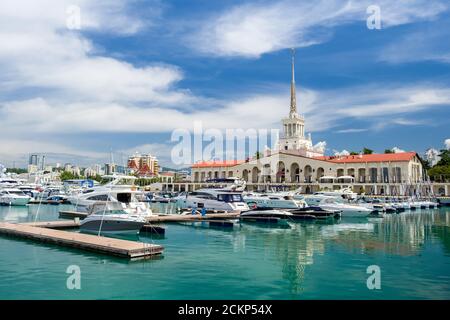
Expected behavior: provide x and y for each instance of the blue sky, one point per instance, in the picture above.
(137, 70)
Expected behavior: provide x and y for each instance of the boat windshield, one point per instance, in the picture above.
(230, 197)
(18, 193)
(111, 212)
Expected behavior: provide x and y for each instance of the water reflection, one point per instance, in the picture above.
(398, 234)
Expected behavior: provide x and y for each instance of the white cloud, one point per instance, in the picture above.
(323, 109)
(352, 130)
(256, 28)
(397, 150)
(447, 144)
(320, 146)
(429, 44)
(38, 51)
(432, 155)
(341, 153)
(81, 90)
(18, 149)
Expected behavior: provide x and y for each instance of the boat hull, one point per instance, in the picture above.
(112, 226)
(13, 201)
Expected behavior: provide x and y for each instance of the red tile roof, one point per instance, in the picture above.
(217, 164)
(376, 157)
(168, 174)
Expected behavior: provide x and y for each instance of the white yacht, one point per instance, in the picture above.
(212, 199)
(13, 197)
(269, 200)
(29, 189)
(118, 190)
(230, 183)
(111, 218)
(334, 203)
(374, 204)
(6, 182)
(344, 193)
(271, 213)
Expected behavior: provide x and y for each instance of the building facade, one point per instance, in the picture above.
(296, 161)
(143, 164)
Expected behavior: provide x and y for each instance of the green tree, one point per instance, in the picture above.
(388, 151)
(16, 170)
(445, 158)
(66, 175)
(258, 155)
(97, 177)
(354, 153)
(367, 151)
(441, 171)
(426, 164)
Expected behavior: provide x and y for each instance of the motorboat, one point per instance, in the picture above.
(269, 200)
(344, 193)
(230, 183)
(118, 190)
(315, 212)
(13, 197)
(57, 199)
(430, 204)
(131, 201)
(335, 203)
(267, 215)
(110, 217)
(160, 198)
(30, 190)
(7, 182)
(373, 204)
(212, 200)
(414, 205)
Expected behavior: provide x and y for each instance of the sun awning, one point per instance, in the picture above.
(327, 178)
(346, 177)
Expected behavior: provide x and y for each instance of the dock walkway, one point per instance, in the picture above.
(111, 246)
(165, 217)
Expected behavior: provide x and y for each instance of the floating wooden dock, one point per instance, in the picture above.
(73, 224)
(111, 246)
(59, 224)
(165, 217)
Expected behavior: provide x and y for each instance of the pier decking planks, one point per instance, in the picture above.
(72, 224)
(165, 217)
(111, 246)
(59, 224)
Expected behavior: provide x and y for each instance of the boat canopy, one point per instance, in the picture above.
(327, 178)
(346, 177)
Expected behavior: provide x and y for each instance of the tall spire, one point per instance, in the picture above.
(293, 99)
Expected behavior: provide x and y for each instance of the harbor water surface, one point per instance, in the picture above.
(309, 260)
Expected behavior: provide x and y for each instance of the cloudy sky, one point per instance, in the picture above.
(136, 70)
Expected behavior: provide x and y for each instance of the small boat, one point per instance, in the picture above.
(212, 199)
(267, 215)
(373, 204)
(272, 200)
(111, 218)
(57, 199)
(13, 197)
(333, 203)
(315, 212)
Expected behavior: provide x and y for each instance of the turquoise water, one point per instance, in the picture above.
(304, 261)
